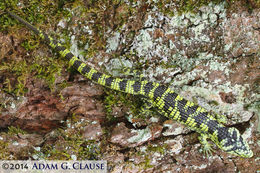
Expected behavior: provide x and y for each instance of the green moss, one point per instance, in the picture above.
(70, 143)
(120, 99)
(159, 149)
(73, 146)
(4, 153)
(48, 70)
(15, 130)
(147, 162)
(251, 4)
(112, 100)
(22, 71)
(182, 6)
(149, 152)
(30, 10)
(30, 44)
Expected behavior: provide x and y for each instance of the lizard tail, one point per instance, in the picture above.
(34, 29)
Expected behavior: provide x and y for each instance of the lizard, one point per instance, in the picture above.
(161, 97)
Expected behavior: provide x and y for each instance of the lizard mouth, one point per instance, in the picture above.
(246, 154)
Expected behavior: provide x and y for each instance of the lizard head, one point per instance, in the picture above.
(233, 143)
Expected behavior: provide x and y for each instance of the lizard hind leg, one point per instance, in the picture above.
(145, 108)
(146, 105)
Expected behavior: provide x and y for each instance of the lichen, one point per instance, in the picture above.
(142, 135)
(113, 42)
(73, 145)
